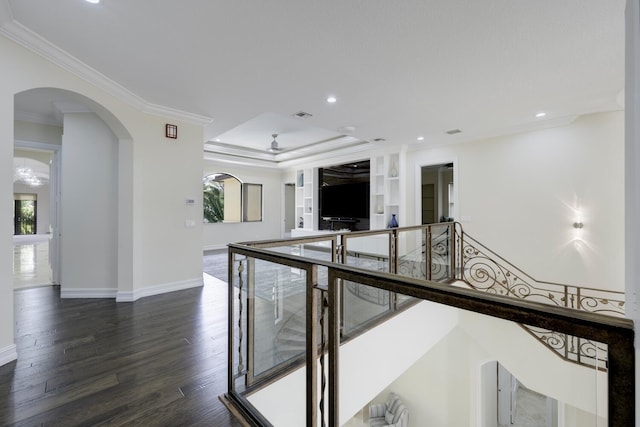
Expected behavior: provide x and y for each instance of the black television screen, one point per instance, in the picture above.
(345, 200)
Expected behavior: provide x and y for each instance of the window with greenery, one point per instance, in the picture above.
(227, 199)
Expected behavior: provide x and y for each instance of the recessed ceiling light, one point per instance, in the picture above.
(93, 1)
(541, 114)
(421, 138)
(331, 99)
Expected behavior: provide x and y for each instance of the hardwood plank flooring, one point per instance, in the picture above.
(159, 361)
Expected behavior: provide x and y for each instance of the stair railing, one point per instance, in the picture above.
(617, 334)
(482, 269)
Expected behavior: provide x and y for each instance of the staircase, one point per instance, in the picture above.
(459, 259)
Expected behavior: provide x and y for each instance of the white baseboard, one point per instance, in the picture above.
(214, 247)
(8, 354)
(87, 293)
(136, 294)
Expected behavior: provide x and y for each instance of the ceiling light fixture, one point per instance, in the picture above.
(93, 1)
(331, 99)
(541, 114)
(421, 138)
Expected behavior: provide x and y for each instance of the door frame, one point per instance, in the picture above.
(288, 215)
(418, 186)
(54, 205)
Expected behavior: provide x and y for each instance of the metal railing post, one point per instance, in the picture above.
(428, 254)
(334, 350)
(312, 347)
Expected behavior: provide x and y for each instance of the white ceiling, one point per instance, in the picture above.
(399, 69)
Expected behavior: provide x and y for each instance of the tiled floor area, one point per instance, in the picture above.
(31, 261)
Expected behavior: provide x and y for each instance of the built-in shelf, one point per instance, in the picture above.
(306, 187)
(385, 190)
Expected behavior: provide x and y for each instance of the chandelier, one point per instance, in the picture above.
(26, 175)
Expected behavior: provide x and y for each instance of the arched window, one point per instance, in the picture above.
(227, 199)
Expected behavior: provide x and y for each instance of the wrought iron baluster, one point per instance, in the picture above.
(240, 284)
(323, 349)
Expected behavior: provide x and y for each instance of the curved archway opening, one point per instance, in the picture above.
(91, 175)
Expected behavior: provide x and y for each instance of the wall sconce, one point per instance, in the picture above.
(577, 225)
(171, 131)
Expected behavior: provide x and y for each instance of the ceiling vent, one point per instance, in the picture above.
(379, 140)
(302, 115)
(454, 131)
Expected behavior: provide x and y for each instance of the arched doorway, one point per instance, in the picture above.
(90, 173)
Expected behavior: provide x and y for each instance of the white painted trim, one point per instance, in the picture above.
(39, 145)
(8, 354)
(23, 36)
(88, 293)
(158, 289)
(214, 247)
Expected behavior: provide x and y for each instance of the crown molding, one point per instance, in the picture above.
(23, 36)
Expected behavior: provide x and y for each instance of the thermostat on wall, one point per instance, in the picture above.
(191, 202)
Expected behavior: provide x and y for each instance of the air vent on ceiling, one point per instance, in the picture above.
(454, 131)
(379, 140)
(302, 115)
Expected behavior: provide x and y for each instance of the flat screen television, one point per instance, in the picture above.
(345, 200)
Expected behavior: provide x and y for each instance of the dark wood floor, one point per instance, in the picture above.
(158, 361)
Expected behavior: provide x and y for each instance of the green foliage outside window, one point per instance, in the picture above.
(213, 201)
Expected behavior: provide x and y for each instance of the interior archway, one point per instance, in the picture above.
(96, 176)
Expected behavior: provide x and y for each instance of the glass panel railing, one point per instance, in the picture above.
(238, 322)
(546, 356)
(268, 330)
(362, 305)
(269, 316)
(369, 251)
(458, 365)
(278, 310)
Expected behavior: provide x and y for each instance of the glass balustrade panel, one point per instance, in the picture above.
(370, 252)
(313, 250)
(453, 367)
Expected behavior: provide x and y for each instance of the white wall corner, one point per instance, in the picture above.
(158, 289)
(88, 293)
(8, 354)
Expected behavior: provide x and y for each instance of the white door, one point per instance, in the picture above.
(507, 384)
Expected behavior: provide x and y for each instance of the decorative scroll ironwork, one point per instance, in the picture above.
(435, 252)
(483, 270)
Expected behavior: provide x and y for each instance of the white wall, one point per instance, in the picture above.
(517, 194)
(217, 236)
(390, 349)
(157, 252)
(632, 174)
(36, 132)
(89, 228)
(449, 385)
(7, 346)
(440, 388)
